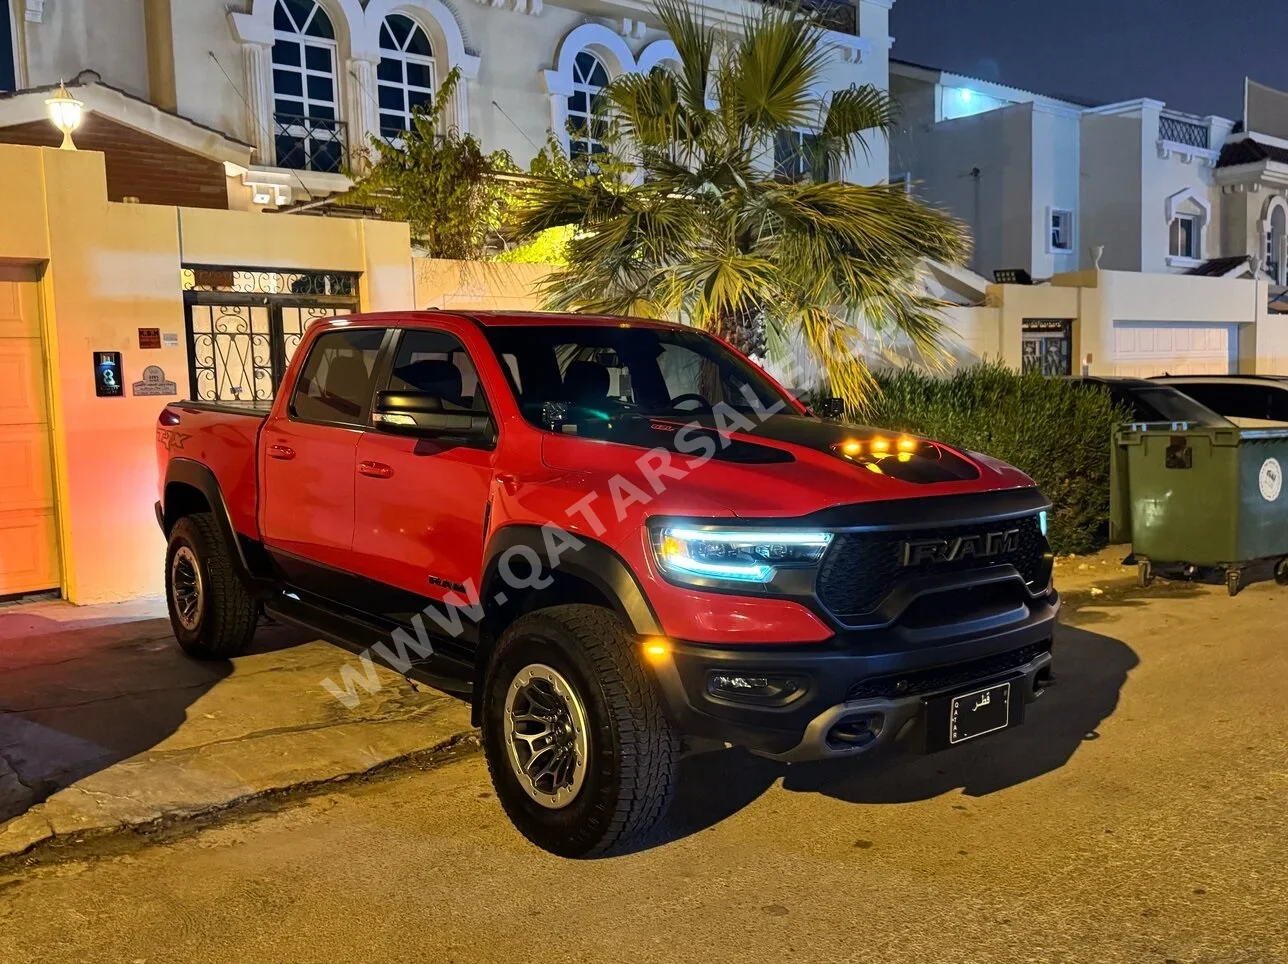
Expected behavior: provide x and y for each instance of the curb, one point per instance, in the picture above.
(31, 833)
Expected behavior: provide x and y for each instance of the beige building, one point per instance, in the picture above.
(285, 94)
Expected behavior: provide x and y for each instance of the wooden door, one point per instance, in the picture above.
(28, 524)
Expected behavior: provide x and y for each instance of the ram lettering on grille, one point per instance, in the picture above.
(981, 545)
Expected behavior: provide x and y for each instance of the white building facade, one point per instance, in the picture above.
(307, 83)
(1049, 185)
(1085, 216)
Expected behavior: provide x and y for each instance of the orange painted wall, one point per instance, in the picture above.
(109, 269)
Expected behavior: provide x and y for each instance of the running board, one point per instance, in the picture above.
(358, 636)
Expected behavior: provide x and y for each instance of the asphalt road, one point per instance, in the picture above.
(1139, 815)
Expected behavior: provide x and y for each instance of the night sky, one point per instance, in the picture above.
(1193, 54)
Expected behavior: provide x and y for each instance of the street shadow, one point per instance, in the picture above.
(1090, 670)
(77, 697)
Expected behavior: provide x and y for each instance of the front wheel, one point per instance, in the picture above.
(582, 757)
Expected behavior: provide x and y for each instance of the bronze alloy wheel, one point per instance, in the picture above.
(546, 735)
(186, 587)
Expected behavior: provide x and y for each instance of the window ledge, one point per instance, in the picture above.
(1178, 261)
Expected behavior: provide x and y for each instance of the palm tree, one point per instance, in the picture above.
(686, 216)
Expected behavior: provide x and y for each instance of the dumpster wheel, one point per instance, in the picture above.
(1144, 573)
(1233, 581)
(1281, 571)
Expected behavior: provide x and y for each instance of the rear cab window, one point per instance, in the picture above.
(335, 383)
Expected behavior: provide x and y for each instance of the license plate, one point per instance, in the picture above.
(980, 712)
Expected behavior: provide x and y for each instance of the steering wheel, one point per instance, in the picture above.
(690, 397)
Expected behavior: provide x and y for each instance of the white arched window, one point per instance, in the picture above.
(1276, 251)
(585, 119)
(307, 131)
(405, 77)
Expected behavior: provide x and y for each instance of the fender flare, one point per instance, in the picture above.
(593, 562)
(197, 475)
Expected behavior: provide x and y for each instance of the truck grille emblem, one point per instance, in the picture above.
(982, 545)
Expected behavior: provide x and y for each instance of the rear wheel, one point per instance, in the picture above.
(581, 755)
(212, 614)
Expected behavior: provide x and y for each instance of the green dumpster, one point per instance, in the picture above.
(1202, 500)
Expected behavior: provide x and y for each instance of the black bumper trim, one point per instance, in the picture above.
(832, 674)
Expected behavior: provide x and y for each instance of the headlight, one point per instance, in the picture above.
(701, 556)
(1042, 521)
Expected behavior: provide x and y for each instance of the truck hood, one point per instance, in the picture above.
(783, 466)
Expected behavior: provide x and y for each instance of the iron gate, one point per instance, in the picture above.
(244, 325)
(1047, 346)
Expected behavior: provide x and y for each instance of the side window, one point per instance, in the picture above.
(335, 384)
(435, 362)
(1232, 401)
(1279, 404)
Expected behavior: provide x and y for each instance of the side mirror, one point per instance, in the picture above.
(422, 414)
(833, 408)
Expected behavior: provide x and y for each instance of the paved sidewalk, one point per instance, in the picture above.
(105, 724)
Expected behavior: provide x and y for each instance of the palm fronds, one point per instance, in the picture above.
(688, 219)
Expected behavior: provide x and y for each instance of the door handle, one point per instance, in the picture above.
(283, 452)
(376, 470)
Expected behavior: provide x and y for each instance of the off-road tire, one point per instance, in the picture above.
(226, 612)
(633, 752)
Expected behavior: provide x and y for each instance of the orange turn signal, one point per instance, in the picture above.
(656, 649)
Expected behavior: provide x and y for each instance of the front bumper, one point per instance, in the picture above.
(859, 692)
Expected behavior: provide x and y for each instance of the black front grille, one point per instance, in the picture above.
(862, 568)
(945, 677)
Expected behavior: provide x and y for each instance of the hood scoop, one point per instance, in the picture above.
(890, 454)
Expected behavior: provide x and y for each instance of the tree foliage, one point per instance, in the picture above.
(442, 184)
(684, 215)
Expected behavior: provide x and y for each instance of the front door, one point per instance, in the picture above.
(308, 455)
(421, 503)
(28, 525)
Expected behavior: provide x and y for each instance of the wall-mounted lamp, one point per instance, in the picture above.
(65, 111)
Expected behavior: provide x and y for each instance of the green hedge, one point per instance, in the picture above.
(1057, 432)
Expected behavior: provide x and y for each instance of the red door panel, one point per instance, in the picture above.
(421, 514)
(308, 491)
(308, 446)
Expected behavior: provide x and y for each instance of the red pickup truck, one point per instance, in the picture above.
(608, 534)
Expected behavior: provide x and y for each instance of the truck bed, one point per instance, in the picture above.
(223, 436)
(259, 408)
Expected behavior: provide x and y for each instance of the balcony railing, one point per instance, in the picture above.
(838, 15)
(1181, 131)
(311, 143)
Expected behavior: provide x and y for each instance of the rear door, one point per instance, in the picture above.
(308, 454)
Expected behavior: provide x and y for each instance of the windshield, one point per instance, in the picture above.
(606, 373)
(1168, 405)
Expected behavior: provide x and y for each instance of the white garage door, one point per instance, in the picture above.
(28, 532)
(1145, 348)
